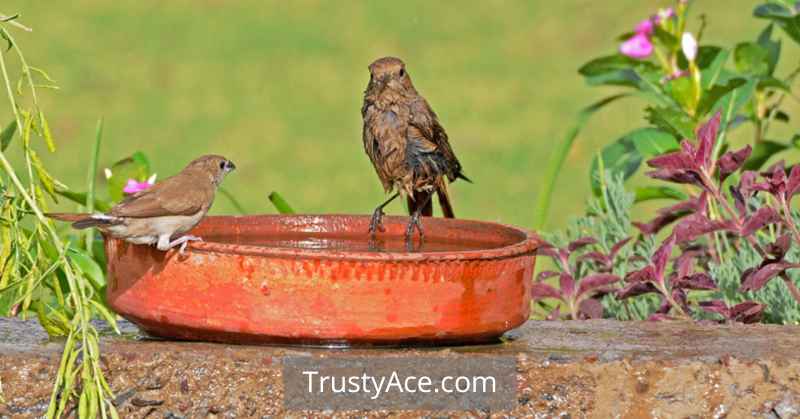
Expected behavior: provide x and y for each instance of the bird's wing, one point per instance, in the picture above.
(177, 195)
(426, 127)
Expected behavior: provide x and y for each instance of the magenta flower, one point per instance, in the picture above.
(133, 186)
(645, 27)
(638, 47)
(675, 75)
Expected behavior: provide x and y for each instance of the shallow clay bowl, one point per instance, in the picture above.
(318, 279)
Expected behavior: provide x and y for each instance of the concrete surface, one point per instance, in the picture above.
(599, 369)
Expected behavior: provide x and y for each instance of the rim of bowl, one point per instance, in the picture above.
(527, 245)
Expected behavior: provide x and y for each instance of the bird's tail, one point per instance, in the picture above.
(420, 198)
(81, 221)
(444, 202)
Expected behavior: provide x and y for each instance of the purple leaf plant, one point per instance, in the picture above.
(579, 296)
(709, 220)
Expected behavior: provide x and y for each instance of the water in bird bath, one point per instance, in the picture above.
(353, 243)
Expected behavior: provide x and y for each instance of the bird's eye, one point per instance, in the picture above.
(402, 72)
(222, 165)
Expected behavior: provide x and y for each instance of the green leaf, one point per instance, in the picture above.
(769, 82)
(732, 102)
(672, 120)
(652, 142)
(668, 40)
(782, 16)
(796, 141)
(649, 193)
(45, 178)
(707, 55)
(712, 96)
(90, 269)
(773, 48)
(606, 64)
(781, 116)
(48, 136)
(617, 70)
(106, 314)
(137, 167)
(7, 301)
(649, 82)
(280, 204)
(762, 152)
(621, 156)
(51, 323)
(7, 135)
(7, 39)
(751, 58)
(772, 11)
(99, 253)
(729, 106)
(558, 156)
(682, 90)
(711, 73)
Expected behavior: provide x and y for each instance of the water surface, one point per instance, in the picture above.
(382, 244)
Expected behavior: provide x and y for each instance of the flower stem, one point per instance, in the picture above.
(787, 215)
(792, 287)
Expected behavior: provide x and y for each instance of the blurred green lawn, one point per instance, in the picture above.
(277, 86)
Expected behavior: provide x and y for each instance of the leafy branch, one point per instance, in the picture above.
(42, 273)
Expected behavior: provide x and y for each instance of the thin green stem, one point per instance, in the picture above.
(11, 21)
(235, 202)
(91, 182)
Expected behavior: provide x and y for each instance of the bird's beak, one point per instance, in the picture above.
(229, 166)
(383, 82)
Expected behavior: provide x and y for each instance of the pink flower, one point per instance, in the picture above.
(675, 75)
(133, 186)
(645, 27)
(664, 14)
(638, 46)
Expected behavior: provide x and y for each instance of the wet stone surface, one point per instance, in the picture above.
(565, 369)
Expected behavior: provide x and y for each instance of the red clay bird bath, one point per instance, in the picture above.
(317, 279)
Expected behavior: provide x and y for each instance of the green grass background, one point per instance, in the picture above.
(277, 86)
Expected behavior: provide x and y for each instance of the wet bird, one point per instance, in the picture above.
(167, 209)
(406, 144)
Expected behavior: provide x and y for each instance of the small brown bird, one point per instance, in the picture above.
(169, 208)
(406, 144)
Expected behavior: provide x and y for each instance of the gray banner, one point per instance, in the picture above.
(419, 382)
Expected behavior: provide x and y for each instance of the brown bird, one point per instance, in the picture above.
(406, 144)
(169, 208)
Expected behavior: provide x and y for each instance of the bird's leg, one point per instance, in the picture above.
(377, 216)
(183, 241)
(415, 222)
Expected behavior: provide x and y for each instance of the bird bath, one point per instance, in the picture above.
(317, 279)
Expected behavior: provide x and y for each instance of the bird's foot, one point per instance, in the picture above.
(183, 241)
(414, 223)
(376, 223)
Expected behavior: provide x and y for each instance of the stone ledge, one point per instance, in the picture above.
(595, 368)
